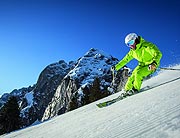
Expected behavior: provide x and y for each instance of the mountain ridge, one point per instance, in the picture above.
(62, 86)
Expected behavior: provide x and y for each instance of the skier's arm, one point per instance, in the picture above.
(124, 61)
(156, 54)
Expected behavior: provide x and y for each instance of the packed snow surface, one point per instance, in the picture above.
(154, 113)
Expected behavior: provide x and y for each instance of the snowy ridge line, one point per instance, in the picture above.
(151, 87)
(169, 69)
(142, 126)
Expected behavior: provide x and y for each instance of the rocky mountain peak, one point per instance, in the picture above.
(95, 64)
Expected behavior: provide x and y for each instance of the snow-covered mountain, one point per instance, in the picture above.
(19, 93)
(70, 93)
(62, 86)
(152, 113)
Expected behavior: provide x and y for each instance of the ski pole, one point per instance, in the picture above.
(113, 81)
(169, 69)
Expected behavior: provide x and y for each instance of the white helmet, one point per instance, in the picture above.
(131, 36)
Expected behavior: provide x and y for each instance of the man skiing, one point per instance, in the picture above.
(148, 56)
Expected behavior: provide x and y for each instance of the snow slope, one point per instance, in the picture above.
(154, 113)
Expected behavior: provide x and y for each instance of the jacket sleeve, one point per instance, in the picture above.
(156, 54)
(124, 61)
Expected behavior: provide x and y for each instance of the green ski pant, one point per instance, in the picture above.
(135, 80)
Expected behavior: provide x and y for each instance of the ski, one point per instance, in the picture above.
(107, 103)
(121, 97)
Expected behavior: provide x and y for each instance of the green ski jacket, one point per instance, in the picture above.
(145, 52)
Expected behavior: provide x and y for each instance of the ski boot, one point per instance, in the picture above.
(129, 92)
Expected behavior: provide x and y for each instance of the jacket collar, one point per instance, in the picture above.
(139, 45)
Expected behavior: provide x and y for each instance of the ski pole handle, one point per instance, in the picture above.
(112, 68)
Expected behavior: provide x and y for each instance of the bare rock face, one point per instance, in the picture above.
(46, 86)
(61, 99)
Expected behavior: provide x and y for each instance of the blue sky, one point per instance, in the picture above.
(36, 33)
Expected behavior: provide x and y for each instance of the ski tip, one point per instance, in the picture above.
(100, 105)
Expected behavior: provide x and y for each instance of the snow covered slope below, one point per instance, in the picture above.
(152, 113)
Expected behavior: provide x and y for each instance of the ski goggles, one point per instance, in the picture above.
(131, 42)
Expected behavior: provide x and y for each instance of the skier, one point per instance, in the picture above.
(148, 56)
